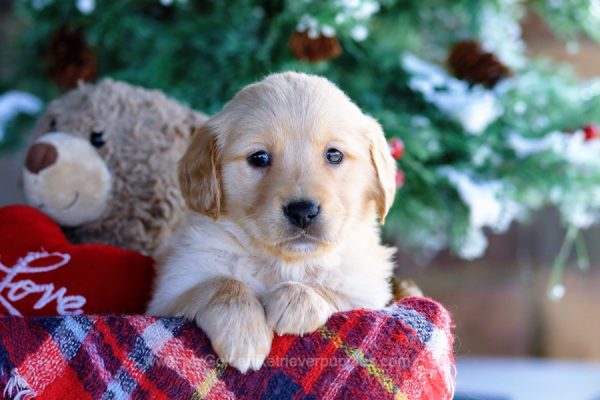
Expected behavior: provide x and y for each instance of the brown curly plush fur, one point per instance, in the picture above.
(146, 134)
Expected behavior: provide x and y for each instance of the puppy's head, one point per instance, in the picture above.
(293, 162)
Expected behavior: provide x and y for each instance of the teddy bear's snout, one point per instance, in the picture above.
(40, 156)
(67, 178)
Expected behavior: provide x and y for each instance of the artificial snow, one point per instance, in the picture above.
(474, 108)
(13, 103)
(85, 6)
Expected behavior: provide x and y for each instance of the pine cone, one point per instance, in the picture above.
(313, 50)
(70, 58)
(471, 63)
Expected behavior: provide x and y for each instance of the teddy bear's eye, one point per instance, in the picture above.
(97, 139)
(53, 124)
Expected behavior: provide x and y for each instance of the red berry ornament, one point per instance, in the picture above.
(399, 179)
(591, 132)
(396, 148)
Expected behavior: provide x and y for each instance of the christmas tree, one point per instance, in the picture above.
(483, 134)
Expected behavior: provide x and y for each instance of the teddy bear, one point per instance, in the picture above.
(102, 164)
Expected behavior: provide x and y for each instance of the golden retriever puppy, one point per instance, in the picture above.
(286, 184)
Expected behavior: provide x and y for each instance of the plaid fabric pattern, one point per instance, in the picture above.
(401, 352)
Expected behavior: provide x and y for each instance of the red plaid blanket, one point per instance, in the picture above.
(401, 352)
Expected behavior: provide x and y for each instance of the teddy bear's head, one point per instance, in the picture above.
(102, 163)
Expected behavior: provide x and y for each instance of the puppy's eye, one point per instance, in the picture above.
(260, 159)
(334, 156)
(97, 139)
(53, 124)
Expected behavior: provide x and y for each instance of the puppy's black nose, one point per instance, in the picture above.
(301, 213)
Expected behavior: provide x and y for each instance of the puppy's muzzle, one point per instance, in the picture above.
(301, 213)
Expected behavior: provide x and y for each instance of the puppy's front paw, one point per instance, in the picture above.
(237, 329)
(296, 308)
(245, 343)
(405, 288)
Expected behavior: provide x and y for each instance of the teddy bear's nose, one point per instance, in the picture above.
(40, 156)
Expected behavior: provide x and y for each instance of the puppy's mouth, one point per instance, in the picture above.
(304, 242)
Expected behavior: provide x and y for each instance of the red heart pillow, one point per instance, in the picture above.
(41, 273)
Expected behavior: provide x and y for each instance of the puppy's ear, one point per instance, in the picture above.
(385, 168)
(199, 173)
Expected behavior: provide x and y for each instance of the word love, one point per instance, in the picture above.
(13, 289)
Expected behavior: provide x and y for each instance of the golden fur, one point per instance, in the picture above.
(238, 267)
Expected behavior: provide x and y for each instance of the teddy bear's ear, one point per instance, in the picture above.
(199, 173)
